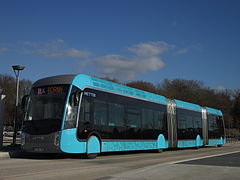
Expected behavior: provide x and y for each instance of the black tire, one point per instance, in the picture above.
(197, 147)
(159, 150)
(91, 156)
(219, 145)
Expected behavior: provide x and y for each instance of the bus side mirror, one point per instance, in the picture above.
(24, 102)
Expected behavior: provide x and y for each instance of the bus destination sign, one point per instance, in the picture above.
(50, 90)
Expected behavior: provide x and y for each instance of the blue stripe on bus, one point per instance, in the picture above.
(128, 146)
(69, 143)
(161, 142)
(199, 141)
(187, 143)
(220, 141)
(82, 81)
(110, 146)
(93, 145)
(190, 142)
(214, 111)
(186, 105)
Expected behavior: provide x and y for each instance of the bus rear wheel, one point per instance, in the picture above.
(159, 150)
(91, 155)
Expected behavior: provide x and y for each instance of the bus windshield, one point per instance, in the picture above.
(45, 107)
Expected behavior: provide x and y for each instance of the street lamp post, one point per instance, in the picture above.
(16, 70)
(2, 103)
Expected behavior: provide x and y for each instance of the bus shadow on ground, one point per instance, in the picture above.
(26, 155)
(44, 156)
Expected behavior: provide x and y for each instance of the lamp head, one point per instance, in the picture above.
(18, 67)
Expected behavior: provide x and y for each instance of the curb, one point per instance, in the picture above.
(4, 155)
(9, 151)
(12, 154)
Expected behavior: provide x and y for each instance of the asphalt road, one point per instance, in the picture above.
(204, 163)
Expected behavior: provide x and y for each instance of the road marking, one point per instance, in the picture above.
(203, 157)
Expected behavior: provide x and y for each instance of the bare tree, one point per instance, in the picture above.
(8, 85)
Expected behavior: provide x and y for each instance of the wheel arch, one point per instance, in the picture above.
(98, 136)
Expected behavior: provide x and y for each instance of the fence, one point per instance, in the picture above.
(232, 139)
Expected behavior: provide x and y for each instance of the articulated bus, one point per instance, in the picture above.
(83, 114)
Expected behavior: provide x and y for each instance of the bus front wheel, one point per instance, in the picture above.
(93, 147)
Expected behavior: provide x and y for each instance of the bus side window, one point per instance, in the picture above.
(100, 112)
(212, 123)
(85, 111)
(147, 119)
(158, 120)
(133, 117)
(220, 125)
(115, 114)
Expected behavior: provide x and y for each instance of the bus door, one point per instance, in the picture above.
(205, 126)
(172, 123)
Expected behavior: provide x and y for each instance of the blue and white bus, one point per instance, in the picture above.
(83, 114)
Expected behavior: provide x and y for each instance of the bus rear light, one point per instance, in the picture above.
(85, 130)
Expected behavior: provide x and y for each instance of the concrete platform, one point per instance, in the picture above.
(217, 167)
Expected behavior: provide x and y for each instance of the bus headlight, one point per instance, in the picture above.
(56, 139)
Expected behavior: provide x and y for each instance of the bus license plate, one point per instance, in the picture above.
(38, 149)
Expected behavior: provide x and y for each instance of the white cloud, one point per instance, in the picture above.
(124, 67)
(55, 49)
(195, 47)
(150, 48)
(145, 58)
(69, 53)
(182, 51)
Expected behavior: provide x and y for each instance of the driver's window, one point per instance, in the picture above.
(72, 108)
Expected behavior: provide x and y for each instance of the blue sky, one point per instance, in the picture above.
(129, 40)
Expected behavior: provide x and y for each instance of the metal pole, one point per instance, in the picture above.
(16, 109)
(2, 102)
(16, 70)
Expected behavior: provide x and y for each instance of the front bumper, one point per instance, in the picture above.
(48, 143)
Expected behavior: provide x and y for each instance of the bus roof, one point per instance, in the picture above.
(83, 81)
(214, 111)
(55, 80)
(187, 105)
